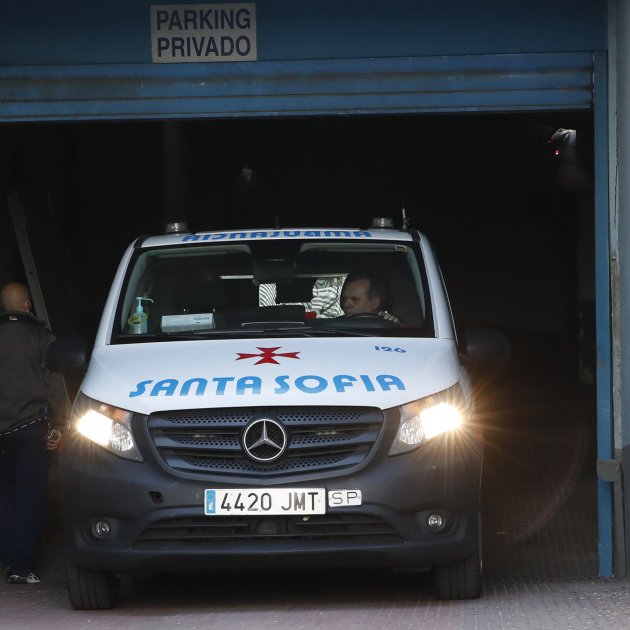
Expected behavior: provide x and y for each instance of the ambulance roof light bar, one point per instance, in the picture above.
(176, 227)
(382, 223)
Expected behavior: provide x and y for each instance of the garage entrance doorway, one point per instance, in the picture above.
(515, 240)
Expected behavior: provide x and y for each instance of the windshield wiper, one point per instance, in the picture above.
(161, 336)
(301, 331)
(336, 332)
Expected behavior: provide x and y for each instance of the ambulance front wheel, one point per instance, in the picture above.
(91, 590)
(463, 579)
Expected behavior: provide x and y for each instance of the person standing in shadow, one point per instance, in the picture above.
(33, 411)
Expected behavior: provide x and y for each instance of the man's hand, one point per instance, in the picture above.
(389, 317)
(53, 439)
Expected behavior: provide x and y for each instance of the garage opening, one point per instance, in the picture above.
(506, 199)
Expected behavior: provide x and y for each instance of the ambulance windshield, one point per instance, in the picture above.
(281, 288)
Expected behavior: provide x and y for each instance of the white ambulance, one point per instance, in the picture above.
(272, 398)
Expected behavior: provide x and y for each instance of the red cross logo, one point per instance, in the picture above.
(267, 355)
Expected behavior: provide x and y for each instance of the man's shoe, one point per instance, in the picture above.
(31, 578)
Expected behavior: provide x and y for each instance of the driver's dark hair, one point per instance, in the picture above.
(377, 286)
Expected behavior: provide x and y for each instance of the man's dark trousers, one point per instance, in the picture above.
(23, 486)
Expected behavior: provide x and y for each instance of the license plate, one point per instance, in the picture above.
(273, 501)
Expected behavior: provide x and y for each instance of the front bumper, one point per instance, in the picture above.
(157, 523)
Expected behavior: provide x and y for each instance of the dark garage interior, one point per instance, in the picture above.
(509, 211)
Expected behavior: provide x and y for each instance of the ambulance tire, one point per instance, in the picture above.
(460, 580)
(91, 590)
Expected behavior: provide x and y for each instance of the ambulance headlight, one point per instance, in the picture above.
(424, 419)
(107, 426)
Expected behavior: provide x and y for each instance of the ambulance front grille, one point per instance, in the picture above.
(209, 441)
(221, 529)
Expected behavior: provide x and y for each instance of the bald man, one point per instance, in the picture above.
(30, 398)
(16, 297)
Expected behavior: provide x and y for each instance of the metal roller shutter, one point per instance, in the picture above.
(469, 83)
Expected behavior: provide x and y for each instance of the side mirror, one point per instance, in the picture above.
(68, 354)
(486, 345)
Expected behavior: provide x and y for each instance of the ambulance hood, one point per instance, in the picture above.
(376, 372)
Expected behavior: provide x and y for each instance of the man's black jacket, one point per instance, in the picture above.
(26, 385)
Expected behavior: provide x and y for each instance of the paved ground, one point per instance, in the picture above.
(325, 601)
(540, 484)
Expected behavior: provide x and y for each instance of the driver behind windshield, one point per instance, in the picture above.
(365, 293)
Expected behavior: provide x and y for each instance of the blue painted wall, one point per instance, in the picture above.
(33, 32)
